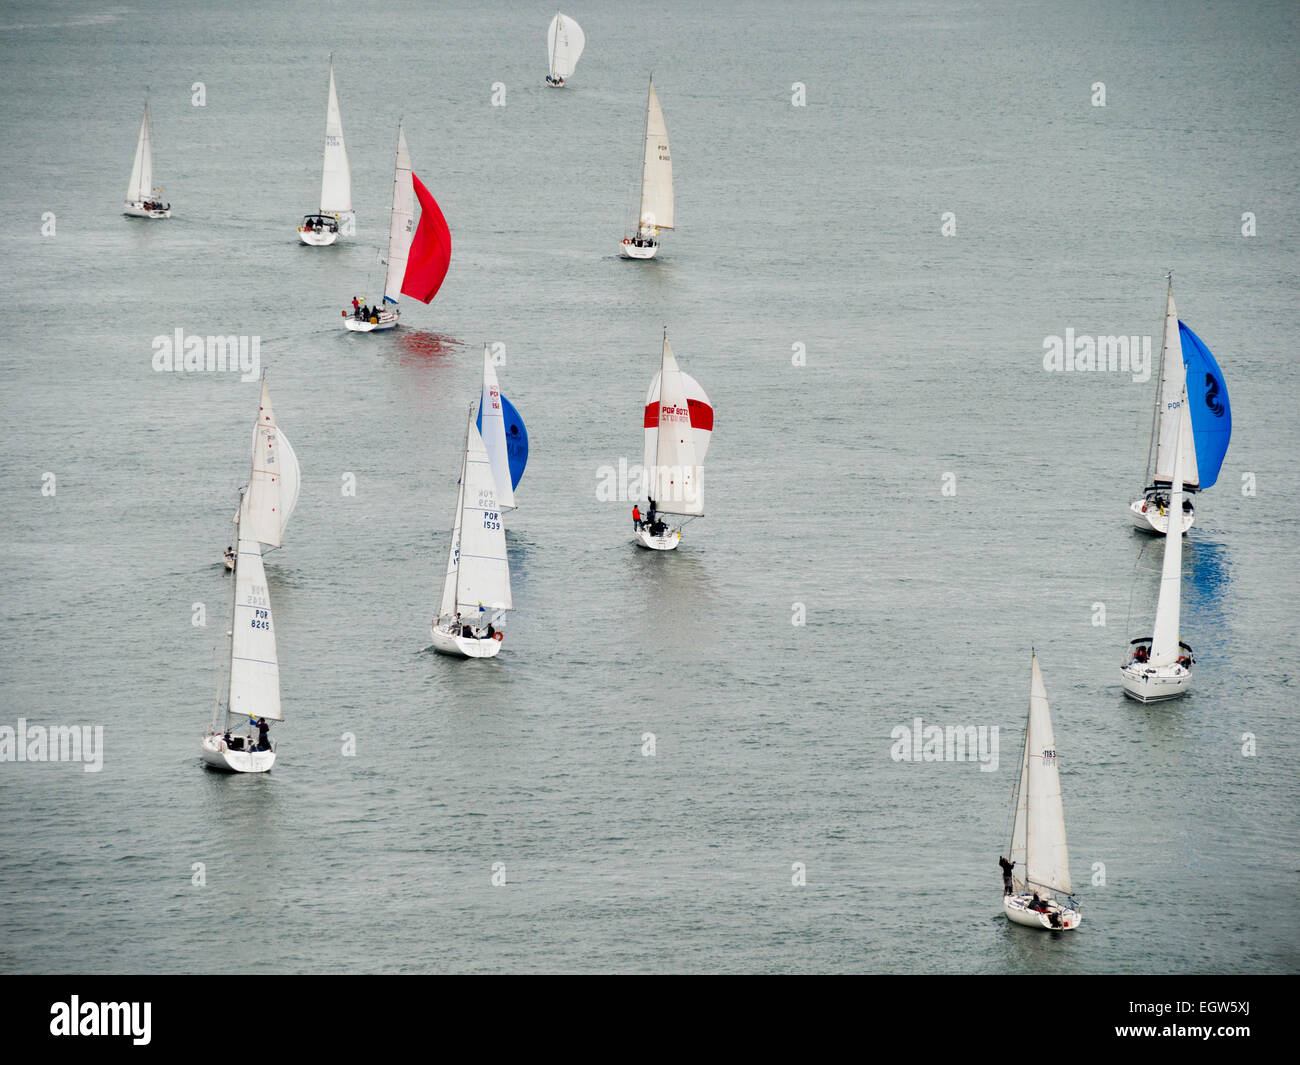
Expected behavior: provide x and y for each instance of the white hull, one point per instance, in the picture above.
(667, 542)
(554, 82)
(1148, 517)
(446, 643)
(216, 754)
(1153, 684)
(139, 210)
(631, 251)
(1015, 907)
(318, 239)
(387, 320)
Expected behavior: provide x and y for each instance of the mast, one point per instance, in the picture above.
(555, 41)
(1164, 633)
(460, 500)
(1160, 376)
(223, 679)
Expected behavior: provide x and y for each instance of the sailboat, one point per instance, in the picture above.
(273, 482)
(476, 588)
(655, 211)
(678, 427)
(322, 228)
(415, 266)
(142, 199)
(1185, 364)
(251, 689)
(564, 44)
(1038, 845)
(1159, 666)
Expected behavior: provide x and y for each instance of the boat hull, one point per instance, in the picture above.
(315, 239)
(554, 81)
(632, 251)
(446, 643)
(667, 542)
(1155, 684)
(139, 210)
(1016, 907)
(1147, 517)
(217, 755)
(385, 320)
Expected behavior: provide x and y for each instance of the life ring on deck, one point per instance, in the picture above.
(626, 241)
(498, 636)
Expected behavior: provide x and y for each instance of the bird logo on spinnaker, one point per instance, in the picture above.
(1212, 395)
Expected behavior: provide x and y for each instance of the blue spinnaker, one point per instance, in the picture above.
(1207, 393)
(516, 439)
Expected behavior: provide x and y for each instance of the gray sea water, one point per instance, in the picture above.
(813, 229)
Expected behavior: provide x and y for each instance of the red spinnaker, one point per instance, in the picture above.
(426, 266)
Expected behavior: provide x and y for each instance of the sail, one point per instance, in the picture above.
(262, 514)
(290, 480)
(336, 180)
(701, 410)
(447, 605)
(1207, 395)
(492, 428)
(140, 186)
(401, 222)
(516, 439)
(430, 252)
(564, 44)
(656, 170)
(254, 669)
(1047, 859)
(483, 578)
(673, 467)
(1164, 637)
(1172, 380)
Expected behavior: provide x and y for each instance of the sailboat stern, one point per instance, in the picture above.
(640, 247)
(1055, 918)
(1147, 683)
(1151, 514)
(446, 642)
(219, 755)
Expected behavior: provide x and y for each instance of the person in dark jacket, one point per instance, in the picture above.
(1006, 874)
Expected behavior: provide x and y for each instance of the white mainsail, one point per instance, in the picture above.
(273, 480)
(1171, 399)
(656, 170)
(336, 178)
(494, 433)
(478, 572)
(254, 669)
(1038, 836)
(140, 187)
(672, 465)
(564, 43)
(401, 223)
(1164, 636)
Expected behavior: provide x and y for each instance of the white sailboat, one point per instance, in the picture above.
(401, 225)
(322, 228)
(655, 211)
(678, 426)
(564, 44)
(1159, 666)
(274, 481)
(476, 588)
(493, 431)
(1151, 511)
(142, 199)
(1038, 845)
(251, 693)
